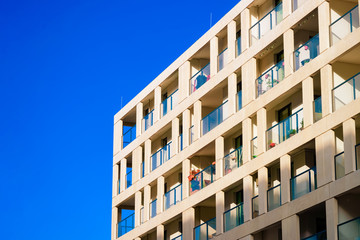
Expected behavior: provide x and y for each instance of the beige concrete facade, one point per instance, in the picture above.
(252, 133)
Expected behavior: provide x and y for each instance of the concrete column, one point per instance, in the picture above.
(138, 206)
(220, 209)
(123, 164)
(349, 133)
(114, 222)
(324, 23)
(291, 228)
(157, 103)
(247, 136)
(186, 127)
(289, 52)
(147, 200)
(185, 180)
(118, 133)
(160, 230)
(263, 187)
(160, 194)
(287, 8)
(231, 38)
(116, 171)
(245, 27)
(197, 119)
(248, 237)
(331, 206)
(184, 80)
(139, 117)
(219, 155)
(147, 155)
(248, 194)
(232, 91)
(175, 136)
(249, 71)
(327, 84)
(188, 223)
(261, 130)
(137, 159)
(285, 175)
(308, 101)
(325, 152)
(214, 52)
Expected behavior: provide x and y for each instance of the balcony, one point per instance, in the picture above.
(181, 143)
(191, 134)
(339, 165)
(349, 229)
(148, 120)
(318, 236)
(234, 217)
(285, 129)
(306, 52)
(270, 78)
(344, 25)
(153, 211)
(238, 46)
(169, 103)
(205, 231)
(142, 215)
(128, 177)
(303, 183)
(222, 59)
(346, 92)
(129, 136)
(200, 78)
(214, 118)
(160, 157)
(255, 206)
(267, 23)
(233, 160)
(173, 196)
(274, 197)
(254, 149)
(126, 225)
(317, 109)
(202, 179)
(177, 238)
(239, 100)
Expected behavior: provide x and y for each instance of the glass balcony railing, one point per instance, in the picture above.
(169, 103)
(344, 25)
(238, 46)
(318, 236)
(239, 100)
(214, 118)
(233, 160)
(128, 177)
(202, 179)
(274, 197)
(153, 211)
(317, 109)
(306, 52)
(177, 238)
(234, 217)
(254, 148)
(142, 215)
(161, 156)
(205, 231)
(181, 143)
(129, 136)
(303, 183)
(357, 156)
(173, 196)
(126, 225)
(255, 206)
(267, 23)
(200, 78)
(270, 78)
(297, 3)
(142, 169)
(346, 92)
(148, 120)
(339, 165)
(222, 58)
(349, 230)
(285, 129)
(191, 134)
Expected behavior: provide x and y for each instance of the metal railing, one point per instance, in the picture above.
(266, 23)
(148, 120)
(317, 236)
(142, 168)
(200, 78)
(142, 215)
(181, 143)
(238, 46)
(254, 149)
(297, 3)
(128, 177)
(344, 25)
(168, 104)
(233, 160)
(173, 196)
(191, 134)
(255, 206)
(339, 165)
(161, 156)
(306, 52)
(222, 59)
(177, 238)
(126, 225)
(284, 129)
(234, 217)
(153, 208)
(346, 92)
(270, 78)
(214, 118)
(317, 109)
(303, 183)
(274, 197)
(202, 179)
(206, 230)
(239, 100)
(349, 229)
(129, 136)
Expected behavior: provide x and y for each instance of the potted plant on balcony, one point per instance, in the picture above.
(271, 144)
(302, 124)
(292, 132)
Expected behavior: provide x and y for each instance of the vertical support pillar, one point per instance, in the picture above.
(248, 237)
(214, 52)
(248, 194)
(186, 127)
(331, 207)
(160, 230)
(247, 136)
(231, 38)
(308, 99)
(249, 71)
(139, 117)
(184, 81)
(185, 180)
(188, 223)
(136, 167)
(147, 199)
(116, 170)
(291, 228)
(287, 8)
(157, 103)
(138, 201)
(289, 52)
(324, 23)
(285, 175)
(197, 119)
(147, 155)
(245, 27)
(327, 84)
(263, 187)
(232, 91)
(349, 133)
(261, 130)
(220, 209)
(160, 194)
(118, 133)
(175, 136)
(219, 155)
(325, 152)
(123, 165)
(114, 222)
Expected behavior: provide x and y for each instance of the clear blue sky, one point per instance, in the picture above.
(64, 66)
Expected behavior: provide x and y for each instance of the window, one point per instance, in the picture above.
(238, 142)
(284, 113)
(279, 56)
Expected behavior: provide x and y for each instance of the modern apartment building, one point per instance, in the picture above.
(252, 133)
